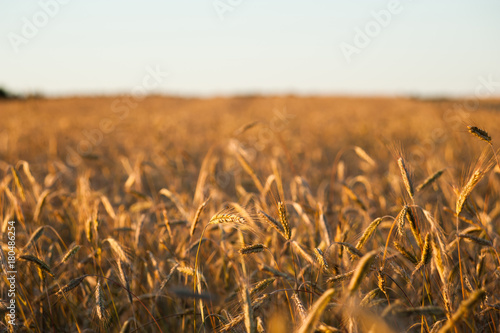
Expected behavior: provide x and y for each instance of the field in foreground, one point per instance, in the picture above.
(251, 214)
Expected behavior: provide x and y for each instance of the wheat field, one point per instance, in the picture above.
(251, 214)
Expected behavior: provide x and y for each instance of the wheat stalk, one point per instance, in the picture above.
(364, 156)
(261, 286)
(197, 217)
(248, 310)
(406, 177)
(38, 262)
(477, 240)
(480, 133)
(273, 223)
(368, 233)
(223, 218)
(405, 253)
(117, 250)
(71, 285)
(320, 257)
(69, 254)
(426, 253)
(18, 183)
(465, 307)
(283, 215)
(255, 248)
(467, 189)
(34, 237)
(431, 179)
(100, 309)
(340, 277)
(315, 312)
(360, 272)
(413, 226)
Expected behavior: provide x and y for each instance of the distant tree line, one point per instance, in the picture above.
(5, 94)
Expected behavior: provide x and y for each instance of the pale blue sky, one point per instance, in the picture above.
(427, 48)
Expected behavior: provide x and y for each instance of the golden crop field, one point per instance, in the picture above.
(251, 214)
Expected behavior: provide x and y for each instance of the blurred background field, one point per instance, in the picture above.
(107, 196)
(176, 133)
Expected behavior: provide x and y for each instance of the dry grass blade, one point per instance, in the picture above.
(467, 190)
(250, 171)
(430, 180)
(465, 307)
(438, 260)
(361, 270)
(248, 310)
(429, 310)
(18, 183)
(353, 196)
(16, 206)
(368, 233)
(364, 156)
(303, 253)
(39, 205)
(197, 217)
(127, 326)
(324, 225)
(3, 261)
(108, 207)
(406, 177)
(29, 175)
(138, 230)
(316, 311)
(167, 193)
